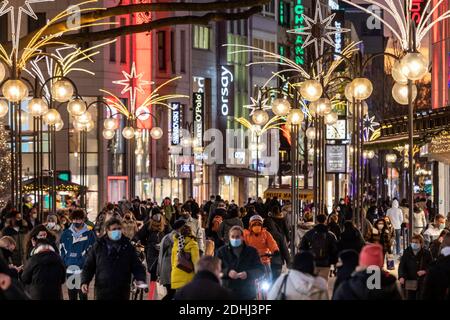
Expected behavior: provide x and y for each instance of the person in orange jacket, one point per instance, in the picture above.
(258, 237)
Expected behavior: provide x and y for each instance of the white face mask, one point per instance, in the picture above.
(51, 225)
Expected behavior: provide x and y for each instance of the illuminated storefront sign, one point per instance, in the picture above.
(336, 158)
(175, 123)
(334, 5)
(417, 7)
(299, 52)
(226, 84)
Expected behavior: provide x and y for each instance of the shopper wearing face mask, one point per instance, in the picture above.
(258, 237)
(436, 245)
(413, 267)
(113, 261)
(193, 221)
(32, 218)
(39, 232)
(434, 230)
(16, 228)
(54, 227)
(75, 243)
(129, 225)
(206, 284)
(241, 265)
(382, 235)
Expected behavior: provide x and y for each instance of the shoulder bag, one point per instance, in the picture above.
(282, 291)
(185, 261)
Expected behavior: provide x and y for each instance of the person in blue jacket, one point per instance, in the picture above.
(74, 245)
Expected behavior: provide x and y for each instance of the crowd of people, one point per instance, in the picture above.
(219, 250)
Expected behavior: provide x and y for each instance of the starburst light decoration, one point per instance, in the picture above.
(258, 103)
(369, 125)
(400, 12)
(318, 31)
(133, 84)
(16, 12)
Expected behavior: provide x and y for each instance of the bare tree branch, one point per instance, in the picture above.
(160, 23)
(96, 15)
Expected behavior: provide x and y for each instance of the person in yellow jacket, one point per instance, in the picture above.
(183, 240)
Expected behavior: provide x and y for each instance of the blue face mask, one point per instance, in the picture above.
(115, 235)
(235, 242)
(415, 246)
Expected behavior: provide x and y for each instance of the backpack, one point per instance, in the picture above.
(319, 245)
(217, 220)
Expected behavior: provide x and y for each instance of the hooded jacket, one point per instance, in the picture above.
(43, 274)
(263, 242)
(395, 214)
(300, 286)
(74, 246)
(329, 249)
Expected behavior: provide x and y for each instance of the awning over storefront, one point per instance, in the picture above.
(237, 172)
(285, 193)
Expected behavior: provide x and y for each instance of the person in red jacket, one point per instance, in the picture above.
(258, 237)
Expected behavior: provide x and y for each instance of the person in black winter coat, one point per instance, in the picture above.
(44, 273)
(250, 213)
(206, 283)
(357, 288)
(414, 264)
(323, 244)
(151, 235)
(277, 221)
(113, 260)
(351, 238)
(346, 265)
(437, 280)
(241, 266)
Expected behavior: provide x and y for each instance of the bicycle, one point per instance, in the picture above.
(264, 283)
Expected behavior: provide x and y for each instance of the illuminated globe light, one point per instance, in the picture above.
(323, 106)
(137, 133)
(311, 133)
(397, 73)
(2, 72)
(331, 118)
(260, 117)
(295, 116)
(62, 90)
(108, 134)
(51, 117)
(391, 157)
(349, 91)
(79, 126)
(414, 66)
(362, 88)
(37, 107)
(15, 90)
(312, 108)
(311, 90)
(89, 126)
(400, 93)
(3, 108)
(311, 151)
(156, 133)
(59, 125)
(139, 151)
(128, 133)
(76, 107)
(281, 107)
(84, 118)
(370, 154)
(110, 124)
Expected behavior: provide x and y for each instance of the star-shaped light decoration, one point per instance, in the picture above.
(258, 103)
(369, 125)
(318, 30)
(23, 6)
(133, 83)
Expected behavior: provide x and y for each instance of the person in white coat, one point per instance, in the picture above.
(395, 214)
(300, 283)
(419, 221)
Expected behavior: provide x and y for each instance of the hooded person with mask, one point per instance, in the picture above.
(75, 243)
(301, 282)
(395, 214)
(17, 228)
(113, 260)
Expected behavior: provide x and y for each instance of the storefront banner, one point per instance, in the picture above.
(336, 158)
(175, 123)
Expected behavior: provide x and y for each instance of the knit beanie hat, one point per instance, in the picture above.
(304, 262)
(256, 217)
(371, 255)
